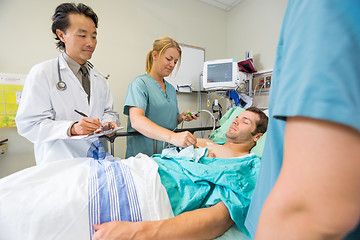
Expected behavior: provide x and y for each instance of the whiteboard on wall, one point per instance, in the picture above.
(191, 66)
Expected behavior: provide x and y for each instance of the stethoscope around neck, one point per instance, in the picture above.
(61, 85)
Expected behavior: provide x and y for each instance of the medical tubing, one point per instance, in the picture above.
(200, 102)
(214, 125)
(261, 87)
(203, 110)
(207, 120)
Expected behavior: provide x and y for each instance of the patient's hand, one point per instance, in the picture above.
(117, 230)
(204, 223)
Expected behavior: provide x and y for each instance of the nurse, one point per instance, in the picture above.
(54, 89)
(309, 181)
(151, 103)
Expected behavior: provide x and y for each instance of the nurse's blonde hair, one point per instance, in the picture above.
(159, 46)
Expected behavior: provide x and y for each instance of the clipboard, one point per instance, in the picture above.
(104, 130)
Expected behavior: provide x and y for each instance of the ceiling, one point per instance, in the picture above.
(225, 5)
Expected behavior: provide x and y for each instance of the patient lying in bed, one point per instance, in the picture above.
(69, 199)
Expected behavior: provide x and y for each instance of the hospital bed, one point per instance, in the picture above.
(63, 199)
(68, 218)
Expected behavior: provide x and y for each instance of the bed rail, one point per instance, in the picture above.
(125, 134)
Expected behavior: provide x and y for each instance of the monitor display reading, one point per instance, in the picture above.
(220, 72)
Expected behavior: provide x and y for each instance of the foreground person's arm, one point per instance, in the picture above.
(317, 193)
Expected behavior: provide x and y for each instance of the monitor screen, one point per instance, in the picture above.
(222, 74)
(219, 72)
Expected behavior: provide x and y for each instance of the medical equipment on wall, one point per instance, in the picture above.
(239, 99)
(222, 74)
(228, 74)
(230, 79)
(262, 82)
(61, 85)
(216, 108)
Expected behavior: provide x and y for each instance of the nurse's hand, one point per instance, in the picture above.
(85, 126)
(183, 139)
(187, 116)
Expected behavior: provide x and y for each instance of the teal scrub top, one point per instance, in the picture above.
(145, 93)
(316, 75)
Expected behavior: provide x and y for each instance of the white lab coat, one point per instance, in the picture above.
(45, 113)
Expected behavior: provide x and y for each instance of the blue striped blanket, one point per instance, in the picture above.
(112, 193)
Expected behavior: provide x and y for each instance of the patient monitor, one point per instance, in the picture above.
(221, 74)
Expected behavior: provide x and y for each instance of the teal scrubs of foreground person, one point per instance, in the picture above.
(145, 93)
(151, 103)
(309, 181)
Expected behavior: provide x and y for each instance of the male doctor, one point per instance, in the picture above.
(56, 88)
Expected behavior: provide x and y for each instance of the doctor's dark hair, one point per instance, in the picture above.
(261, 125)
(61, 18)
(159, 46)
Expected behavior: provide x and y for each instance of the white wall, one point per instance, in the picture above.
(255, 24)
(127, 29)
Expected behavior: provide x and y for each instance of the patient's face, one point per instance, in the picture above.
(242, 126)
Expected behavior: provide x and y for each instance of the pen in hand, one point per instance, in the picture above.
(85, 126)
(81, 113)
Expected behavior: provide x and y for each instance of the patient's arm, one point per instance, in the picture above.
(204, 223)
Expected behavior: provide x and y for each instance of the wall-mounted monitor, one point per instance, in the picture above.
(220, 74)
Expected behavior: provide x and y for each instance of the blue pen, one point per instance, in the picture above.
(81, 113)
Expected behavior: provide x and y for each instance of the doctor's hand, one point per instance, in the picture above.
(85, 126)
(183, 139)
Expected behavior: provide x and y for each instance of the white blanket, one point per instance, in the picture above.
(59, 201)
(62, 200)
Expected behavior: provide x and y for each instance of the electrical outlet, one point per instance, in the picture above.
(267, 82)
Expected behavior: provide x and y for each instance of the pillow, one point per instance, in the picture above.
(219, 135)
